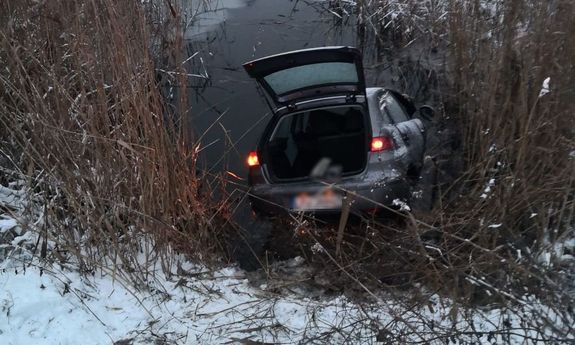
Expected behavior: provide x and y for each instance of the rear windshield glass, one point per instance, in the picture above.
(300, 77)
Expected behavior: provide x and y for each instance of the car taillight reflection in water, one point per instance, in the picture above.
(253, 159)
(381, 144)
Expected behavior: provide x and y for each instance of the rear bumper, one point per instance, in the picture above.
(365, 195)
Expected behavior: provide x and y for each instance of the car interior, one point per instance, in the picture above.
(301, 140)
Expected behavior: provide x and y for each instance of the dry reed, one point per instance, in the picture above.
(84, 116)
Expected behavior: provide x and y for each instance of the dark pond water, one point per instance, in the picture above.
(227, 112)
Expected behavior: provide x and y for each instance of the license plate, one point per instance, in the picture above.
(325, 200)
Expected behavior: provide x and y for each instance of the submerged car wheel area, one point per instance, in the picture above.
(330, 139)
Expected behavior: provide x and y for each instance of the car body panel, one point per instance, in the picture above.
(374, 188)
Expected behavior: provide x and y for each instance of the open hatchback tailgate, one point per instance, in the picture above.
(301, 75)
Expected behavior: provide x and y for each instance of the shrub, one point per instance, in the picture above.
(84, 118)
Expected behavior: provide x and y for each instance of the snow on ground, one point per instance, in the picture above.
(48, 303)
(55, 307)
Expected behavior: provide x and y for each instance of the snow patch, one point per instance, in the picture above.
(7, 224)
(545, 87)
(558, 251)
(317, 248)
(487, 189)
(403, 206)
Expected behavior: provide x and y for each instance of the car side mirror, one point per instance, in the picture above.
(426, 112)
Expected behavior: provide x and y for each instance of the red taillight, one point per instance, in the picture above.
(381, 144)
(253, 159)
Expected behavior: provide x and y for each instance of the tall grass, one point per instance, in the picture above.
(514, 200)
(515, 134)
(517, 191)
(497, 232)
(84, 118)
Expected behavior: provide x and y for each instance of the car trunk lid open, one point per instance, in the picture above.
(306, 74)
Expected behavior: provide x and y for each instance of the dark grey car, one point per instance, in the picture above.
(330, 139)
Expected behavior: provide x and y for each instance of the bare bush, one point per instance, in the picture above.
(512, 86)
(496, 235)
(84, 118)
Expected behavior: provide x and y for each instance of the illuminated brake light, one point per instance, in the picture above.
(253, 159)
(381, 144)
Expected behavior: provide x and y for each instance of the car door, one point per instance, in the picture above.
(410, 129)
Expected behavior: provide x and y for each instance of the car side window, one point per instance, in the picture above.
(391, 107)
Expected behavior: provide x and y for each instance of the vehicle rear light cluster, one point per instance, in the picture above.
(253, 159)
(379, 144)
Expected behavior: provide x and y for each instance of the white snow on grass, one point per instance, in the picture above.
(63, 308)
(403, 206)
(545, 87)
(487, 189)
(42, 303)
(52, 306)
(559, 251)
(13, 198)
(7, 224)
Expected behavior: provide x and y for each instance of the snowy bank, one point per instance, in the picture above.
(44, 301)
(51, 306)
